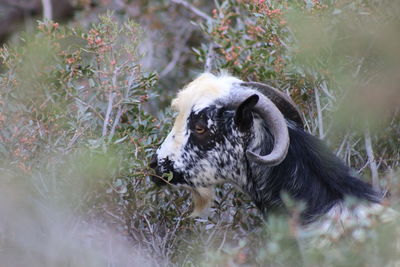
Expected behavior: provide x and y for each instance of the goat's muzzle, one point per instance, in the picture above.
(157, 177)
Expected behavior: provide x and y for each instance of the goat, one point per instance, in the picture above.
(252, 135)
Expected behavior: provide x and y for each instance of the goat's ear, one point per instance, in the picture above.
(243, 116)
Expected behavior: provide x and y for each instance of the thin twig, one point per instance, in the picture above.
(113, 215)
(222, 242)
(75, 137)
(116, 121)
(359, 171)
(39, 129)
(319, 112)
(324, 88)
(339, 151)
(152, 174)
(192, 8)
(355, 74)
(209, 59)
(131, 79)
(91, 107)
(108, 112)
(371, 159)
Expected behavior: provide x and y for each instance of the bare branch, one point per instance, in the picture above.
(171, 65)
(371, 159)
(47, 10)
(192, 8)
(180, 45)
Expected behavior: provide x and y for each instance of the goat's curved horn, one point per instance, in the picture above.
(275, 120)
(284, 103)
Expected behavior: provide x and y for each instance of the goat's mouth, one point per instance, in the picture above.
(164, 173)
(162, 178)
(156, 177)
(158, 180)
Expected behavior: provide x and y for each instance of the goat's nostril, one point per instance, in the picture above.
(153, 161)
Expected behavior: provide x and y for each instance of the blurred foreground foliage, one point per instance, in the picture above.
(76, 137)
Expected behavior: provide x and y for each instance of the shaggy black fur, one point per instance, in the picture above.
(310, 173)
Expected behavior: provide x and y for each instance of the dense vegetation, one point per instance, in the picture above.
(84, 105)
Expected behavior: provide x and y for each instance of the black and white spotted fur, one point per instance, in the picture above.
(310, 173)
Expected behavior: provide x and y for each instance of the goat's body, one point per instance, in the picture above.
(310, 173)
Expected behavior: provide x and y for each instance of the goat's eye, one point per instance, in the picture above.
(199, 129)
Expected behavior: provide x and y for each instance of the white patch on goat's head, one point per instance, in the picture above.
(198, 94)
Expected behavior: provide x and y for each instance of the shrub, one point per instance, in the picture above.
(76, 137)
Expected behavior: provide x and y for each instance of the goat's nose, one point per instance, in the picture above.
(153, 161)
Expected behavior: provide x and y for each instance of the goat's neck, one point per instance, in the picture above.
(310, 173)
